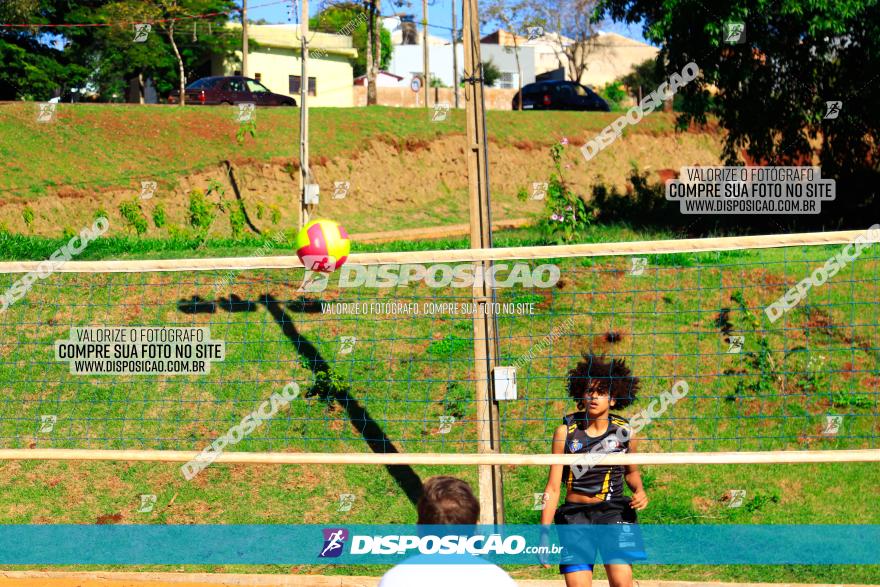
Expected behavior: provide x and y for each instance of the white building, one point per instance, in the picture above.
(609, 55)
(407, 60)
(274, 60)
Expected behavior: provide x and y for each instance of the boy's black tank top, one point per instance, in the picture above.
(604, 481)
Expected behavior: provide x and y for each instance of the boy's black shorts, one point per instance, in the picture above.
(623, 545)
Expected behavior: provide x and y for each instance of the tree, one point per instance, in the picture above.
(181, 12)
(772, 89)
(515, 17)
(646, 75)
(572, 26)
(170, 11)
(569, 24)
(349, 18)
(34, 67)
(172, 51)
(491, 73)
(109, 52)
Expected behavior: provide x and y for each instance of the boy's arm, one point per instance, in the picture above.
(551, 491)
(634, 481)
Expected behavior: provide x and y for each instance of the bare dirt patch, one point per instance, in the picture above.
(393, 185)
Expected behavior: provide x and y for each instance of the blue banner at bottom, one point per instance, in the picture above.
(392, 544)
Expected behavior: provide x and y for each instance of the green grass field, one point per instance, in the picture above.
(102, 146)
(403, 170)
(390, 391)
(670, 323)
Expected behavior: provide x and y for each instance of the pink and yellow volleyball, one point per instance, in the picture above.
(322, 245)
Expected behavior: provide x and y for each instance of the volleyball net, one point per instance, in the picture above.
(742, 345)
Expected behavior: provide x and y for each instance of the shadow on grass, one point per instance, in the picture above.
(327, 386)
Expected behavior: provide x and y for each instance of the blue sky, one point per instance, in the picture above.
(439, 15)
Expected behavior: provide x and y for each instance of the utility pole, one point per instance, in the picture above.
(244, 39)
(305, 175)
(454, 57)
(485, 324)
(377, 45)
(427, 80)
(371, 33)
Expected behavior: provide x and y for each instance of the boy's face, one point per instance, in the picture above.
(597, 400)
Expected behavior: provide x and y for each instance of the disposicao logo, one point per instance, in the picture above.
(334, 541)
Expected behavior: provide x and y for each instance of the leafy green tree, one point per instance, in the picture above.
(515, 16)
(613, 93)
(186, 44)
(491, 73)
(772, 89)
(106, 58)
(351, 18)
(570, 26)
(648, 75)
(33, 64)
(110, 52)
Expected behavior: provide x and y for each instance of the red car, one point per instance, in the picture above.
(231, 90)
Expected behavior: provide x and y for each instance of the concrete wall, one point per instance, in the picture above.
(496, 98)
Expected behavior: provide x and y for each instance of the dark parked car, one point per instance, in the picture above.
(559, 95)
(231, 90)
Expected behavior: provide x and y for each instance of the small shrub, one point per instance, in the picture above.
(28, 216)
(614, 94)
(246, 128)
(567, 215)
(759, 501)
(456, 401)
(237, 219)
(449, 345)
(201, 214)
(849, 399)
(526, 298)
(815, 379)
(159, 218)
(260, 211)
(100, 213)
(288, 237)
(133, 215)
(647, 206)
(180, 233)
(760, 360)
(67, 233)
(276, 214)
(329, 386)
(215, 187)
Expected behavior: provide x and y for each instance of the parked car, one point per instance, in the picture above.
(559, 95)
(231, 90)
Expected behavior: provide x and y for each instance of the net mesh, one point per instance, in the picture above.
(391, 369)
